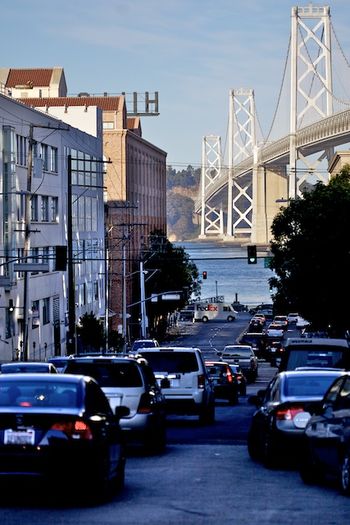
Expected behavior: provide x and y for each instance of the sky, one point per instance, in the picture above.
(193, 52)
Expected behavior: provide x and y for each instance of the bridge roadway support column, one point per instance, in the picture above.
(270, 188)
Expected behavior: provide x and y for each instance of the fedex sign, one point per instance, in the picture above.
(207, 308)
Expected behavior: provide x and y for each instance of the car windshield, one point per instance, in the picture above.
(108, 374)
(174, 362)
(143, 344)
(38, 394)
(307, 386)
(317, 357)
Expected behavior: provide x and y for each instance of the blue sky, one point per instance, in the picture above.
(191, 51)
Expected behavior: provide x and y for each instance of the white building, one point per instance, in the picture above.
(34, 168)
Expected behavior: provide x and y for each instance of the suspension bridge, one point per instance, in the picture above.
(240, 197)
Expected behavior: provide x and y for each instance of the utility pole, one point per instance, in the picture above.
(26, 248)
(71, 339)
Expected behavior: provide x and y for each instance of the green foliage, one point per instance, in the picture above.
(311, 254)
(186, 178)
(175, 272)
(91, 332)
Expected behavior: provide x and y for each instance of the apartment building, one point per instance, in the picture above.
(38, 155)
(135, 188)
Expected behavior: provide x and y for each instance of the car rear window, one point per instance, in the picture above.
(244, 352)
(108, 374)
(317, 357)
(216, 370)
(38, 394)
(307, 386)
(15, 369)
(174, 362)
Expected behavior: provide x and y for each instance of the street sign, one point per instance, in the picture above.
(171, 297)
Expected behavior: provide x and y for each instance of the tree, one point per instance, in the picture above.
(91, 332)
(311, 254)
(174, 272)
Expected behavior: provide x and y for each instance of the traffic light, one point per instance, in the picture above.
(251, 253)
(204, 275)
(11, 307)
(61, 258)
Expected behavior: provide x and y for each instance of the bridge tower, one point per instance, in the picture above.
(311, 86)
(241, 144)
(212, 216)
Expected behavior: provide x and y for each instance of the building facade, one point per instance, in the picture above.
(38, 154)
(135, 189)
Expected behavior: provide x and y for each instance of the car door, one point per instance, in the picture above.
(324, 431)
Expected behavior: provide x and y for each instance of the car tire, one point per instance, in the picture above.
(269, 452)
(205, 319)
(253, 446)
(230, 318)
(308, 473)
(155, 441)
(207, 415)
(345, 475)
(243, 391)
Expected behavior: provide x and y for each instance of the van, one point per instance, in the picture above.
(214, 312)
(315, 352)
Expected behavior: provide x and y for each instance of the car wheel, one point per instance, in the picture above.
(207, 415)
(243, 391)
(233, 399)
(205, 319)
(308, 472)
(345, 475)
(269, 452)
(155, 441)
(253, 446)
(230, 319)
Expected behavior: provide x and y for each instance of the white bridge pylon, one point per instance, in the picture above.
(250, 202)
(212, 221)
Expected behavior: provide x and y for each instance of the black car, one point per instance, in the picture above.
(241, 379)
(60, 429)
(327, 438)
(278, 424)
(224, 381)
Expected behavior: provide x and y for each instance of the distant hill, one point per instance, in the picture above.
(182, 191)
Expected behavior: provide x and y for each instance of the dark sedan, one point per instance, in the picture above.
(223, 380)
(60, 428)
(278, 425)
(327, 438)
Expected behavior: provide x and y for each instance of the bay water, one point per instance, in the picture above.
(228, 272)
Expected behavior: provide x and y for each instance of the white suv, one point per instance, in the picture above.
(184, 380)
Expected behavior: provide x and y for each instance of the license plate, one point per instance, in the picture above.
(19, 437)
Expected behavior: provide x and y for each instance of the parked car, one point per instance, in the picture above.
(143, 343)
(25, 367)
(224, 381)
(184, 380)
(240, 378)
(61, 429)
(326, 451)
(125, 381)
(314, 351)
(283, 409)
(244, 356)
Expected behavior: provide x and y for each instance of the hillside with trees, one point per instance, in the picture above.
(182, 191)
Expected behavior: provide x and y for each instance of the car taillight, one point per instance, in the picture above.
(288, 414)
(201, 381)
(145, 404)
(75, 429)
(229, 376)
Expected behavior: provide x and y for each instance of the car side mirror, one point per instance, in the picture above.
(328, 411)
(255, 400)
(219, 354)
(121, 411)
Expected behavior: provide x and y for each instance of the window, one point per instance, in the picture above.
(21, 207)
(54, 209)
(54, 157)
(96, 290)
(46, 310)
(45, 208)
(108, 125)
(35, 314)
(34, 208)
(21, 150)
(34, 253)
(45, 156)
